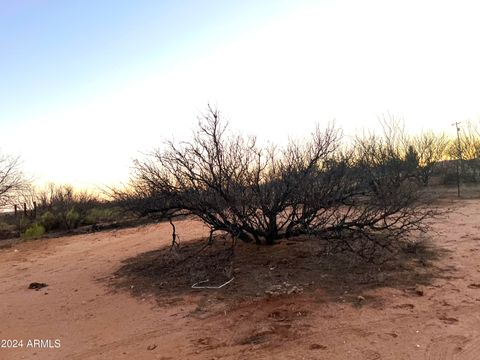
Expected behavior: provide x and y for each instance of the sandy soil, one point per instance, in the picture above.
(424, 308)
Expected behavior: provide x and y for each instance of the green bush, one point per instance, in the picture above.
(34, 231)
(72, 219)
(48, 221)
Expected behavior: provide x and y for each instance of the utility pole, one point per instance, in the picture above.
(459, 149)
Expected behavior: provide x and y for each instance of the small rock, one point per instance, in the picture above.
(360, 298)
(317, 347)
(419, 291)
(37, 286)
(203, 341)
(151, 347)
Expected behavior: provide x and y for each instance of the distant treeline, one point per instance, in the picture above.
(34, 211)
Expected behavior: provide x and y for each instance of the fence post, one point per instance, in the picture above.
(34, 210)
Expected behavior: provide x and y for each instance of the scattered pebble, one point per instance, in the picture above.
(285, 288)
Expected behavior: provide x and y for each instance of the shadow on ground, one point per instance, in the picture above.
(287, 268)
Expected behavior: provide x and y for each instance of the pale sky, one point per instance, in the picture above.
(86, 86)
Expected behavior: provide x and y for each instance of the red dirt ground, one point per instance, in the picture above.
(106, 299)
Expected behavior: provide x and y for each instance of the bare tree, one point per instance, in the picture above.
(431, 150)
(12, 180)
(466, 149)
(306, 188)
(470, 148)
(234, 186)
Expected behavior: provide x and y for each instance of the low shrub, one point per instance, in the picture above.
(34, 231)
(72, 219)
(49, 221)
